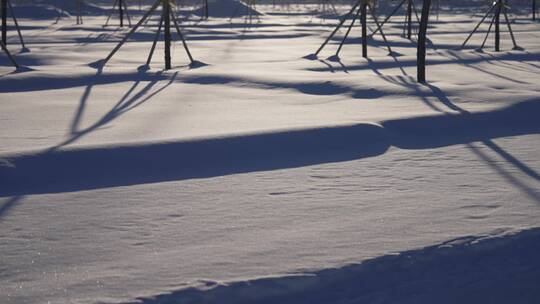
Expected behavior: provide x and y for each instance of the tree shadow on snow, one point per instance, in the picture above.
(498, 268)
(73, 169)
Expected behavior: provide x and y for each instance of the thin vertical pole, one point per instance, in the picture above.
(498, 27)
(363, 20)
(409, 19)
(206, 9)
(121, 12)
(421, 53)
(167, 30)
(4, 21)
(79, 16)
(534, 10)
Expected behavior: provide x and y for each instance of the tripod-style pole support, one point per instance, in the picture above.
(5, 5)
(123, 12)
(167, 16)
(78, 4)
(498, 8)
(361, 7)
(421, 52)
(10, 57)
(407, 29)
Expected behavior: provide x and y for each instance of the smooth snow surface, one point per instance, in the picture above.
(261, 176)
(227, 9)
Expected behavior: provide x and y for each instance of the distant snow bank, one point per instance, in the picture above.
(499, 268)
(47, 9)
(226, 9)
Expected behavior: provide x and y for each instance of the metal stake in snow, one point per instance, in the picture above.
(408, 26)
(4, 6)
(361, 7)
(251, 8)
(165, 22)
(122, 10)
(421, 52)
(205, 9)
(534, 10)
(78, 5)
(10, 57)
(498, 7)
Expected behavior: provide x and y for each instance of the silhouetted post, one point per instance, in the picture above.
(3, 4)
(409, 19)
(498, 27)
(121, 12)
(421, 53)
(534, 10)
(167, 32)
(363, 20)
(206, 9)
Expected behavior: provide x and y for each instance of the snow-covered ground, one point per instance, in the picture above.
(265, 177)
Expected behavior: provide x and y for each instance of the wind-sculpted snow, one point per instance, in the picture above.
(62, 170)
(98, 167)
(226, 9)
(497, 268)
(263, 177)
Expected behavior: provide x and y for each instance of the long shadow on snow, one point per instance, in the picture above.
(65, 170)
(471, 269)
(453, 58)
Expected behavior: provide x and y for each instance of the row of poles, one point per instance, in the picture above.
(359, 11)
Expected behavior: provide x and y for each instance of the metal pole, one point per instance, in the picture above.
(421, 53)
(488, 32)
(158, 33)
(498, 27)
(534, 10)
(119, 45)
(121, 12)
(374, 16)
(478, 25)
(409, 19)
(389, 16)
(347, 33)
(167, 31)
(516, 47)
(337, 28)
(177, 26)
(4, 21)
(17, 27)
(363, 20)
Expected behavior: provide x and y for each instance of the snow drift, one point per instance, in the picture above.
(226, 9)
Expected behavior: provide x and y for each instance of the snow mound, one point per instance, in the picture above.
(226, 9)
(470, 269)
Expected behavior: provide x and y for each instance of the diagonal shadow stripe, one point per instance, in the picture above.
(65, 170)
